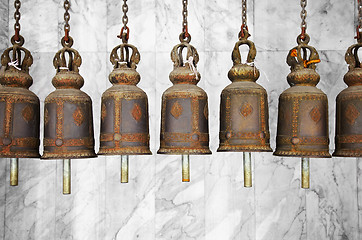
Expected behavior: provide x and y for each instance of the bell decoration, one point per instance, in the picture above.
(68, 120)
(303, 108)
(19, 107)
(244, 119)
(184, 116)
(124, 111)
(349, 103)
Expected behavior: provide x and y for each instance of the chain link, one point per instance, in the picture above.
(303, 16)
(17, 16)
(184, 14)
(125, 17)
(243, 13)
(359, 15)
(66, 19)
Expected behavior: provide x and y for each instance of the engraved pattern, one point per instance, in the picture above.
(206, 111)
(137, 112)
(315, 114)
(78, 116)
(351, 114)
(28, 113)
(103, 112)
(46, 116)
(176, 110)
(246, 109)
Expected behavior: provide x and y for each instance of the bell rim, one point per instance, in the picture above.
(244, 149)
(49, 156)
(119, 152)
(184, 151)
(20, 155)
(347, 153)
(320, 154)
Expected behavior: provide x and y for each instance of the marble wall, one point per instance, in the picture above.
(155, 204)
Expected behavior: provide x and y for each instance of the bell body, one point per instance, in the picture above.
(124, 121)
(68, 125)
(244, 118)
(184, 121)
(303, 117)
(19, 109)
(348, 138)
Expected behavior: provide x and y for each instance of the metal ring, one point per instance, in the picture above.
(67, 44)
(306, 39)
(183, 37)
(20, 42)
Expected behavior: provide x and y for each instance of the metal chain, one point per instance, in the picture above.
(243, 13)
(66, 19)
(359, 27)
(125, 17)
(17, 16)
(303, 16)
(184, 14)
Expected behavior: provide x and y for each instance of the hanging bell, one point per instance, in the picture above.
(68, 120)
(348, 118)
(124, 111)
(19, 108)
(184, 116)
(303, 108)
(244, 124)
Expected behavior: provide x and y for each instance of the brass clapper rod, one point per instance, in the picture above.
(247, 169)
(14, 169)
(305, 173)
(124, 169)
(185, 168)
(66, 176)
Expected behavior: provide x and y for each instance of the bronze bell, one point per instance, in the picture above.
(19, 107)
(244, 124)
(68, 118)
(124, 111)
(303, 110)
(184, 113)
(348, 118)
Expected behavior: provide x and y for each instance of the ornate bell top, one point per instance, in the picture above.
(125, 65)
(15, 69)
(243, 71)
(302, 68)
(184, 72)
(354, 75)
(67, 75)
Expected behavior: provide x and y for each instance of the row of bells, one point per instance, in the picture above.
(68, 122)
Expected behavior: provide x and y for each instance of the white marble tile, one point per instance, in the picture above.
(88, 24)
(169, 24)
(3, 183)
(4, 31)
(277, 24)
(39, 24)
(359, 196)
(30, 206)
(332, 211)
(140, 22)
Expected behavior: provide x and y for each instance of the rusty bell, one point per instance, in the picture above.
(303, 108)
(68, 120)
(184, 113)
(244, 117)
(124, 111)
(349, 106)
(19, 107)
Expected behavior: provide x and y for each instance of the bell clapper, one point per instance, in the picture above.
(14, 169)
(247, 169)
(305, 173)
(66, 176)
(185, 168)
(124, 169)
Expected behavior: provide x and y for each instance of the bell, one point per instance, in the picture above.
(348, 118)
(244, 124)
(184, 113)
(303, 111)
(19, 108)
(124, 111)
(68, 120)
